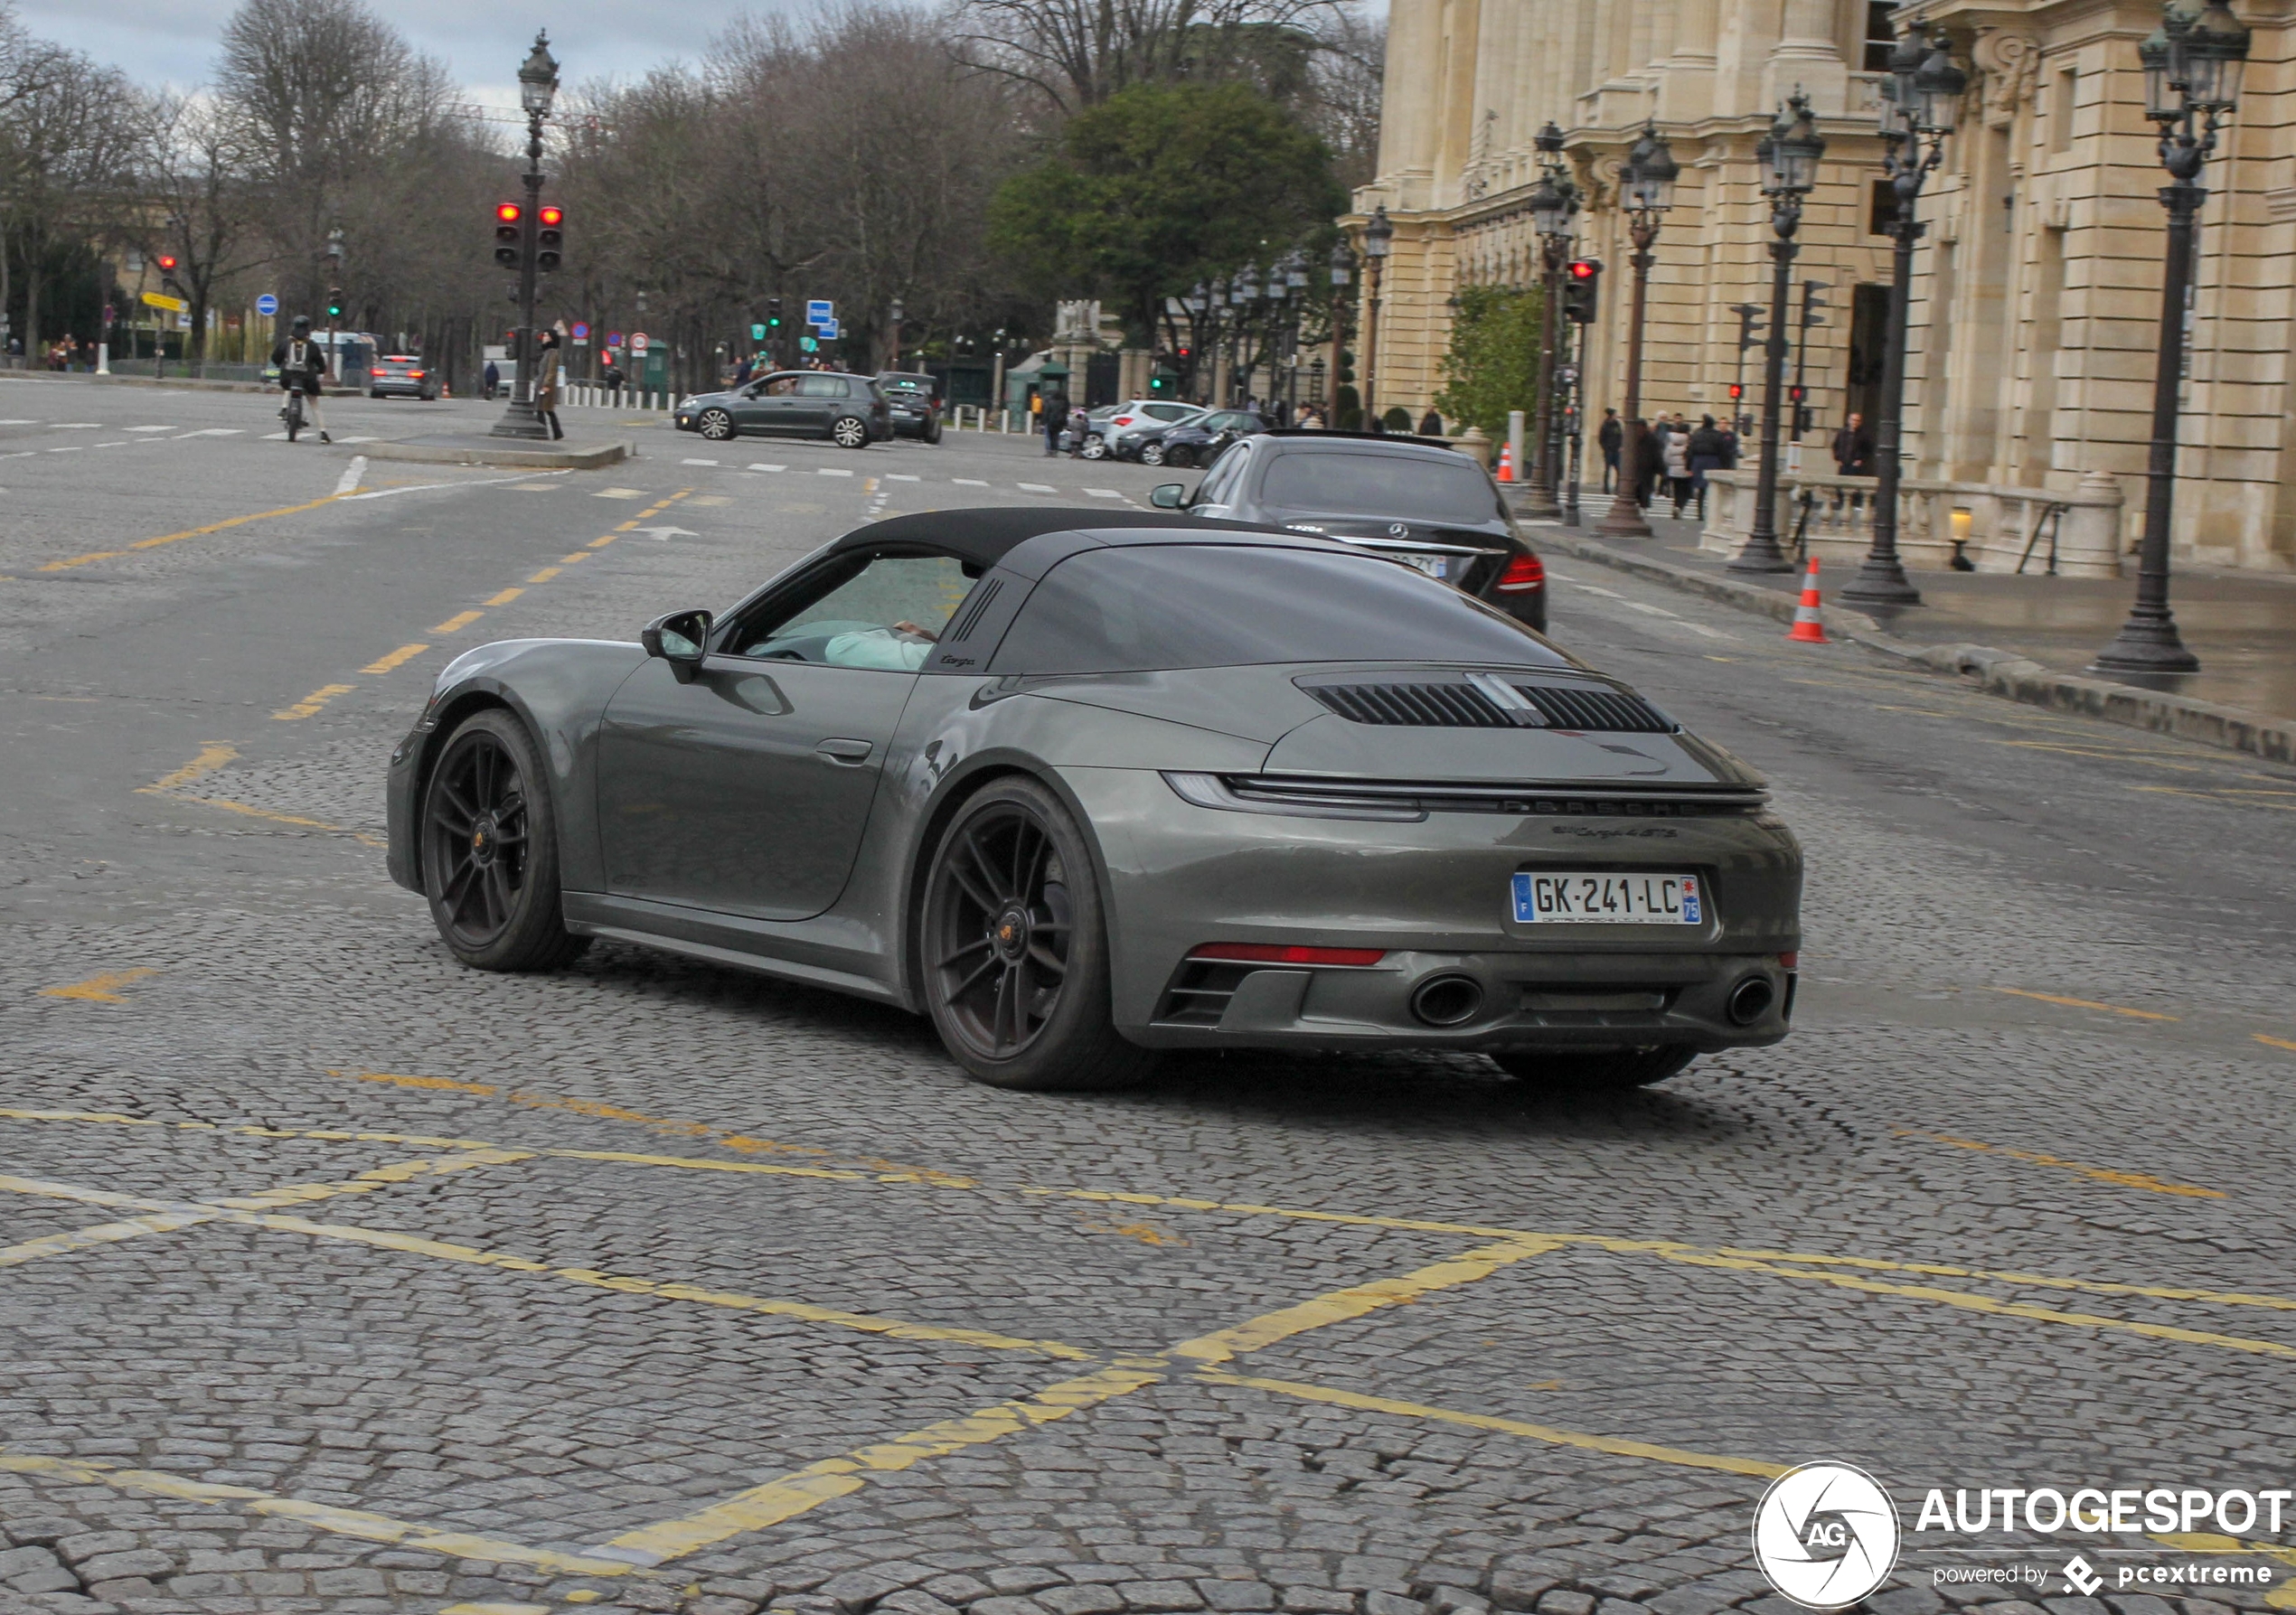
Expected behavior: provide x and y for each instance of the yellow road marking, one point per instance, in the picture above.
(2221, 795)
(1340, 1306)
(567, 560)
(189, 532)
(323, 1516)
(242, 808)
(2276, 1042)
(80, 1239)
(103, 989)
(2087, 1003)
(2144, 1180)
(626, 527)
(800, 1490)
(506, 597)
(544, 576)
(311, 703)
(398, 658)
(1334, 1397)
(459, 620)
(214, 754)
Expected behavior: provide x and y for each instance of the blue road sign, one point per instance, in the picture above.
(267, 305)
(828, 329)
(820, 311)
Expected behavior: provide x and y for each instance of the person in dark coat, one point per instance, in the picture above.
(1853, 455)
(1608, 437)
(1710, 451)
(1431, 423)
(1649, 462)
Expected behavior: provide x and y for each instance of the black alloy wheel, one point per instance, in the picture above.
(1179, 456)
(490, 850)
(1015, 951)
(849, 431)
(932, 432)
(1594, 1071)
(715, 424)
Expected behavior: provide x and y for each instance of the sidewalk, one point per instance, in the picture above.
(2241, 625)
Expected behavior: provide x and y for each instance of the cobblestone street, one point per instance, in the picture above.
(336, 1277)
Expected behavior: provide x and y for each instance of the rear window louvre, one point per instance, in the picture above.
(1419, 706)
(1607, 712)
(1456, 703)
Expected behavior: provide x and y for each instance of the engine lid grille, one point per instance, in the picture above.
(1481, 700)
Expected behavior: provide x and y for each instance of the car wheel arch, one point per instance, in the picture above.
(453, 713)
(964, 782)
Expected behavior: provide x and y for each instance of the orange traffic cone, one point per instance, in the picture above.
(1506, 463)
(1808, 627)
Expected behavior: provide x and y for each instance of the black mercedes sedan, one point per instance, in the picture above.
(914, 398)
(848, 410)
(1411, 499)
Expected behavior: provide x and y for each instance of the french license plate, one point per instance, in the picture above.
(1433, 566)
(1604, 897)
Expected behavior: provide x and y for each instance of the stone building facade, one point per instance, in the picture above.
(2036, 299)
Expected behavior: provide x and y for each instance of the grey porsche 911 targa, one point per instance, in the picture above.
(1084, 786)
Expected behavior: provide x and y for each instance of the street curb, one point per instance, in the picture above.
(1997, 673)
(480, 452)
(201, 384)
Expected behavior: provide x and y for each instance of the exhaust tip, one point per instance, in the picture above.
(1447, 1000)
(1751, 999)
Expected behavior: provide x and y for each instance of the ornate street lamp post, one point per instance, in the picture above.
(2192, 67)
(1646, 185)
(1788, 156)
(1378, 238)
(1553, 204)
(1342, 268)
(893, 336)
(537, 84)
(1920, 102)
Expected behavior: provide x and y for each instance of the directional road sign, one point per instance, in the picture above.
(828, 329)
(161, 300)
(820, 311)
(267, 305)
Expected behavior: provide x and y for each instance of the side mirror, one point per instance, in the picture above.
(678, 639)
(1169, 496)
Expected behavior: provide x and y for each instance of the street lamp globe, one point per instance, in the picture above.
(1342, 263)
(1549, 140)
(1549, 208)
(1896, 87)
(1296, 269)
(2163, 98)
(1789, 154)
(1379, 234)
(1650, 172)
(894, 313)
(1938, 89)
(2214, 48)
(538, 78)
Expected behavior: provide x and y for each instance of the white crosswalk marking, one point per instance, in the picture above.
(901, 476)
(833, 471)
(1036, 488)
(1103, 493)
(968, 481)
(697, 462)
(761, 465)
(125, 428)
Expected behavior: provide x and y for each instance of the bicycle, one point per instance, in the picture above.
(292, 413)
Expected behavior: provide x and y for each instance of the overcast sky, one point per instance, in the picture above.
(174, 42)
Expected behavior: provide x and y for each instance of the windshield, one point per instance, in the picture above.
(1150, 608)
(1324, 482)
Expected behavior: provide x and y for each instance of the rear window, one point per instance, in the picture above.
(1451, 489)
(1156, 607)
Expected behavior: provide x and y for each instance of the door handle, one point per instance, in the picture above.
(847, 752)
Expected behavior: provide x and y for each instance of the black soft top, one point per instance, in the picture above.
(987, 535)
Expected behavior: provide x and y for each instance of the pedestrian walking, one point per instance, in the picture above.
(1710, 450)
(1072, 432)
(491, 382)
(1608, 437)
(1053, 415)
(741, 372)
(614, 383)
(1650, 463)
(1674, 452)
(548, 370)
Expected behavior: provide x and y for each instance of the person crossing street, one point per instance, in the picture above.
(302, 364)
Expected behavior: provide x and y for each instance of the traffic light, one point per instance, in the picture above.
(506, 217)
(166, 262)
(1813, 302)
(1582, 288)
(1801, 409)
(773, 314)
(1737, 390)
(549, 240)
(335, 303)
(1751, 321)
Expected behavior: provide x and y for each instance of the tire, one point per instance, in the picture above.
(1594, 1071)
(1179, 459)
(715, 424)
(849, 431)
(1010, 901)
(489, 846)
(1095, 449)
(1152, 453)
(932, 432)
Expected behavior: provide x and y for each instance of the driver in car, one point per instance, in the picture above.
(898, 649)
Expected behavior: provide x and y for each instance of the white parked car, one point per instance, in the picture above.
(1134, 416)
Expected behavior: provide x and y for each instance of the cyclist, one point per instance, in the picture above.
(302, 364)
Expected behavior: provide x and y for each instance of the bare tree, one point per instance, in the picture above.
(1077, 53)
(196, 160)
(68, 133)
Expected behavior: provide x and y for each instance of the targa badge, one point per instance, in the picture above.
(1826, 1535)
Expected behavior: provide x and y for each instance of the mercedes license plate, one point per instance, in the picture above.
(1433, 566)
(1607, 897)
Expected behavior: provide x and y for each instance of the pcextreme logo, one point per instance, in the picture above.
(1826, 1535)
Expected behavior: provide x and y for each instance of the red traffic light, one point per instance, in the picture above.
(166, 261)
(1585, 270)
(509, 213)
(551, 217)
(1737, 390)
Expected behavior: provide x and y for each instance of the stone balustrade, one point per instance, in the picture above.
(2000, 522)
